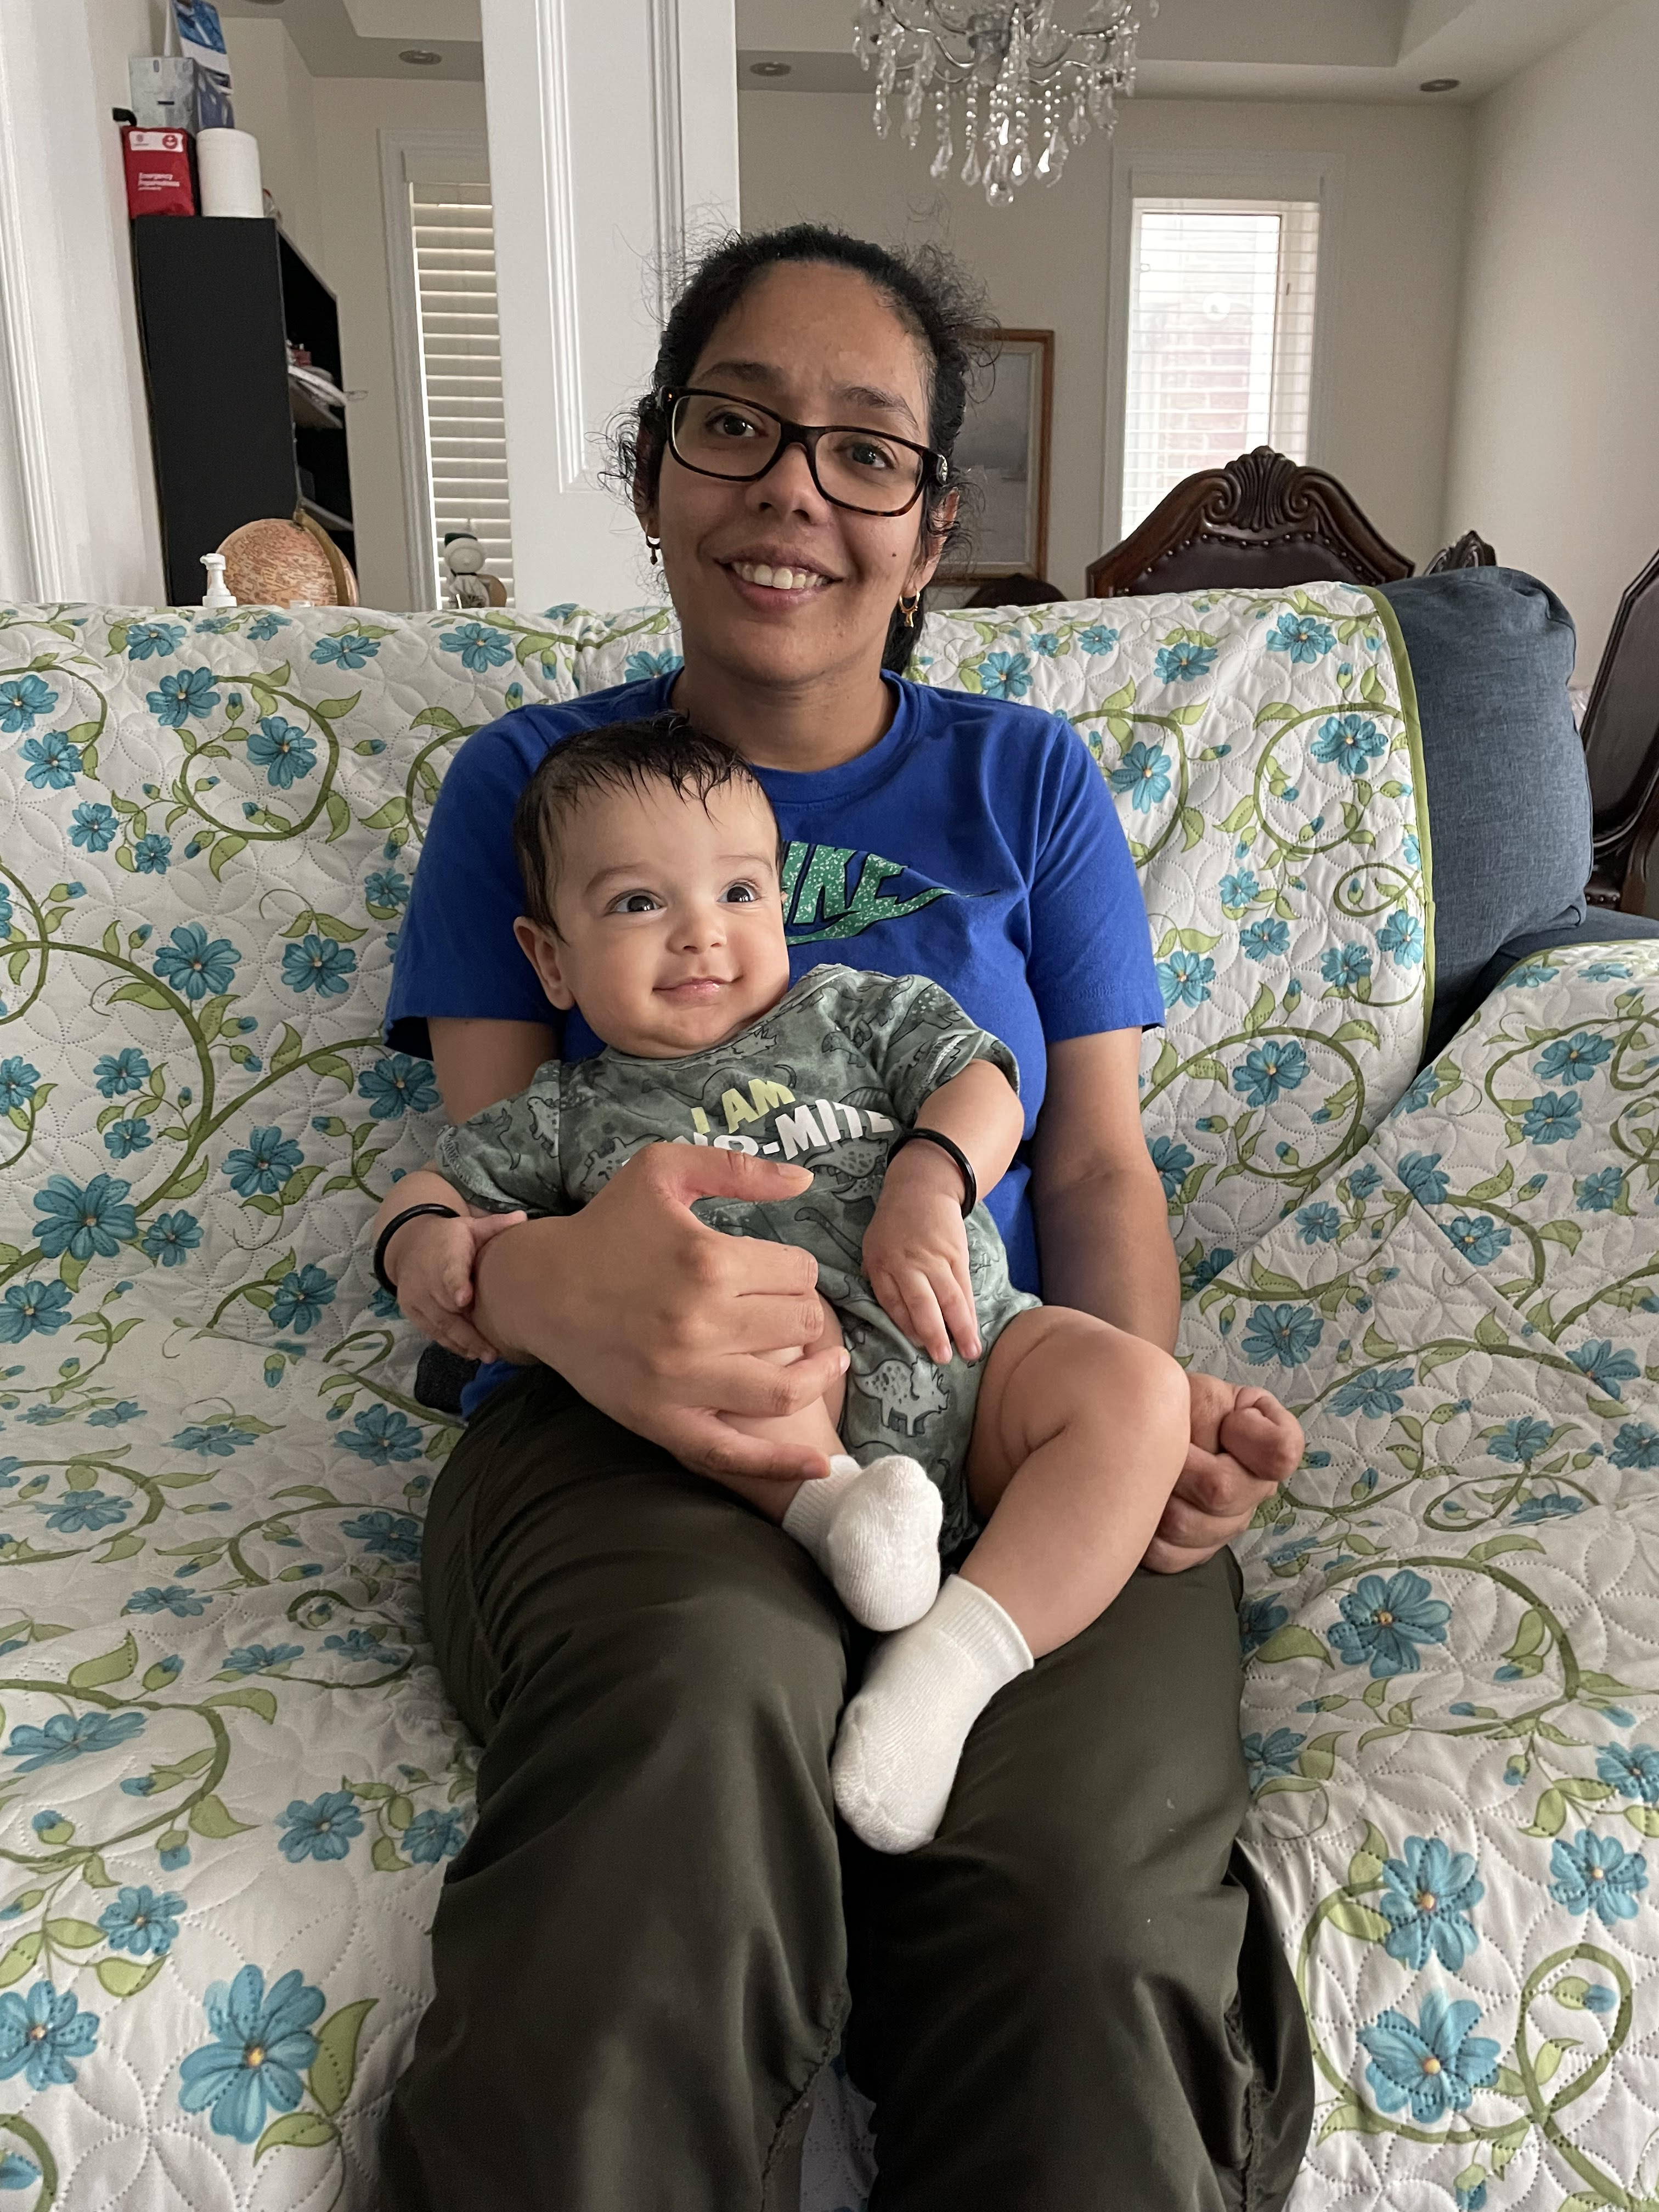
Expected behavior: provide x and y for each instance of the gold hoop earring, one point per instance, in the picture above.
(909, 608)
(653, 546)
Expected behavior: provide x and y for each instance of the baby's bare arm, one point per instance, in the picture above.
(916, 1249)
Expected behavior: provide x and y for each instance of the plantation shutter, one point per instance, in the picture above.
(454, 237)
(1221, 337)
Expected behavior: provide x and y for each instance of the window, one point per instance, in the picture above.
(1220, 350)
(460, 363)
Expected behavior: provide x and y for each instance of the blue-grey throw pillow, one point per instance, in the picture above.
(1491, 651)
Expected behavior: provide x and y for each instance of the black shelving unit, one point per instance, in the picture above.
(219, 299)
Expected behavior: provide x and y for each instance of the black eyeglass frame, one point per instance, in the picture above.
(806, 436)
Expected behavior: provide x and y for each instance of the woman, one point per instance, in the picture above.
(1073, 1997)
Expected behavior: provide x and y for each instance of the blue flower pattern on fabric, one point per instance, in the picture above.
(1428, 1894)
(1143, 773)
(321, 1829)
(1184, 662)
(282, 748)
(44, 2036)
(1597, 1874)
(481, 648)
(1432, 2065)
(349, 650)
(1384, 1621)
(23, 701)
(262, 2048)
(1301, 637)
(397, 1086)
(67, 1736)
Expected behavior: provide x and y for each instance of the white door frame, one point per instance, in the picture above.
(418, 157)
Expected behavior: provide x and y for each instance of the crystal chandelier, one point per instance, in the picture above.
(1024, 88)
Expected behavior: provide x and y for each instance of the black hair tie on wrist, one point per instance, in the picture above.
(409, 1214)
(969, 1180)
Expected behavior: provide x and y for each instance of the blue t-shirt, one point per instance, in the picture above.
(975, 843)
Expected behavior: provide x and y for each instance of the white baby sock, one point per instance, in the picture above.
(901, 1736)
(874, 1531)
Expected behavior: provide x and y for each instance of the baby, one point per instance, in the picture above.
(651, 858)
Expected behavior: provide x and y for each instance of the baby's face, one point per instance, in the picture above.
(671, 919)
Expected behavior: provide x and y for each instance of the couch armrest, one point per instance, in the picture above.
(1601, 925)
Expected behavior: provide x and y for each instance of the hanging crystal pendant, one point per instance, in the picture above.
(1030, 67)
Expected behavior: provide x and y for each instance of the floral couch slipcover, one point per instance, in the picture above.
(228, 1781)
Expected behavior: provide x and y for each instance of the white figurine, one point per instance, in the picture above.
(216, 594)
(469, 586)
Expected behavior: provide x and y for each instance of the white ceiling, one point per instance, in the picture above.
(364, 38)
(1234, 49)
(1191, 49)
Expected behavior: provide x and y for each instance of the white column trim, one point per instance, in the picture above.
(31, 563)
(668, 148)
(611, 130)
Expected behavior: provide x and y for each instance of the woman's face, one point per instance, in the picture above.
(816, 344)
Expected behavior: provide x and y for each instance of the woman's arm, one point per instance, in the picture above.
(1102, 1225)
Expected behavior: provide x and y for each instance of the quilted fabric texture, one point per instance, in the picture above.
(1450, 1713)
(229, 1784)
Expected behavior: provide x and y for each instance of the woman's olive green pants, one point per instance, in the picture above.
(1072, 2000)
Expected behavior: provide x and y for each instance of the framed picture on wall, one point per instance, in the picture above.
(1003, 456)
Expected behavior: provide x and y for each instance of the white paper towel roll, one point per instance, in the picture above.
(228, 162)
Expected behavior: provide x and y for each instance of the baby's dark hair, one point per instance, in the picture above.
(616, 757)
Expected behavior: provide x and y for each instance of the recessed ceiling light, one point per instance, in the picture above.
(1440, 84)
(422, 57)
(770, 68)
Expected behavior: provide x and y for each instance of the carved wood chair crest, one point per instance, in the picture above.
(1261, 521)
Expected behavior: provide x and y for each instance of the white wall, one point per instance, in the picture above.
(275, 100)
(1045, 264)
(349, 114)
(1555, 445)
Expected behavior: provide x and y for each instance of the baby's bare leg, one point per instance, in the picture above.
(1079, 1435)
(817, 1425)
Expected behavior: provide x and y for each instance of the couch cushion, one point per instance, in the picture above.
(1491, 651)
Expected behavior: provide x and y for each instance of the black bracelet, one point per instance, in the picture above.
(969, 1180)
(409, 1214)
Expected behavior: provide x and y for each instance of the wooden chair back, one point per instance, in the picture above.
(1260, 521)
(1620, 730)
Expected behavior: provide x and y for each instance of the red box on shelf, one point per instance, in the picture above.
(158, 171)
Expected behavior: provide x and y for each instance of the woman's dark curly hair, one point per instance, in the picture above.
(933, 297)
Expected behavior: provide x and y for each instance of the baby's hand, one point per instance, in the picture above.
(431, 1261)
(916, 1254)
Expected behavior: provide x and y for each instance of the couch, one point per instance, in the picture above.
(1406, 1112)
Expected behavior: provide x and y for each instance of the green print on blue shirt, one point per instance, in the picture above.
(815, 879)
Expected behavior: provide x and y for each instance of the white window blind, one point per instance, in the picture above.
(1221, 337)
(454, 235)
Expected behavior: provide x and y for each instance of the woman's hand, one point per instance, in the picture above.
(916, 1254)
(1244, 1444)
(431, 1261)
(660, 1321)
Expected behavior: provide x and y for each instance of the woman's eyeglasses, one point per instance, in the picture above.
(868, 471)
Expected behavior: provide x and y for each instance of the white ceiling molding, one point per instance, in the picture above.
(640, 93)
